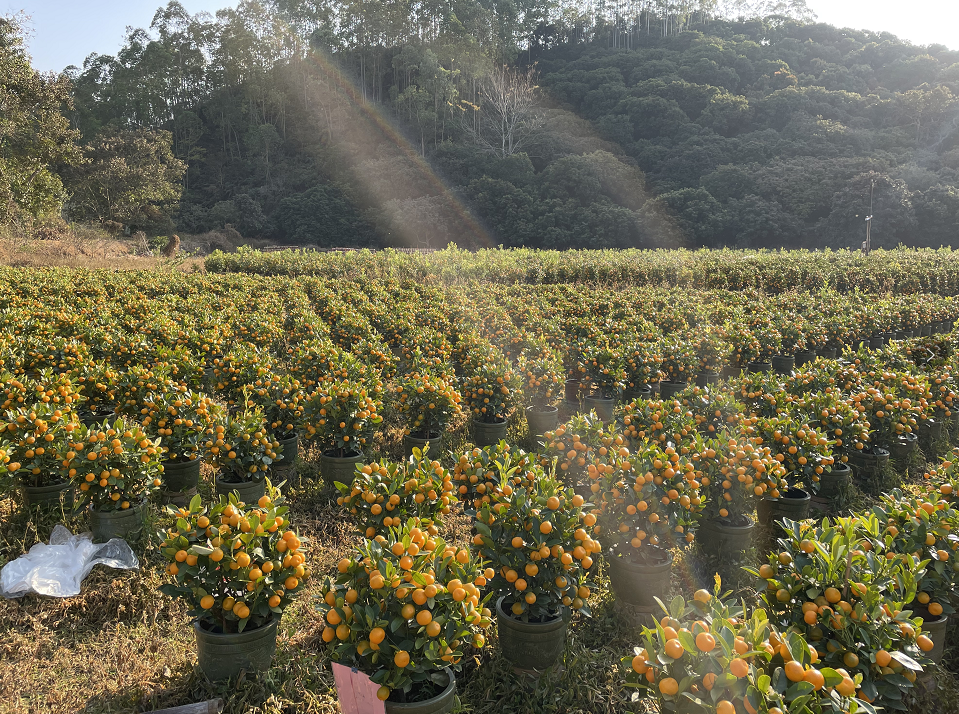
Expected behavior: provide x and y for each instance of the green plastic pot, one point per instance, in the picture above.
(784, 364)
(433, 445)
(603, 406)
(116, 524)
(48, 495)
(541, 419)
(637, 585)
(291, 447)
(668, 390)
(225, 655)
(530, 646)
(489, 433)
(442, 703)
(181, 476)
(936, 629)
(246, 491)
(718, 538)
(833, 483)
(339, 469)
(793, 504)
(867, 467)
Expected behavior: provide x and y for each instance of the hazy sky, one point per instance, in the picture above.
(66, 31)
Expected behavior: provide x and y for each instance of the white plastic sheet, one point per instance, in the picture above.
(57, 569)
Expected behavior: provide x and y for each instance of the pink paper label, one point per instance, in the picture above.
(356, 692)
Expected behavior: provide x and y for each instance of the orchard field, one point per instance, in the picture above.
(689, 391)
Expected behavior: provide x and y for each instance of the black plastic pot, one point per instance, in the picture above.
(877, 342)
(285, 467)
(530, 645)
(936, 629)
(643, 391)
(442, 703)
(571, 390)
(489, 433)
(668, 390)
(784, 364)
(91, 418)
(828, 352)
(804, 356)
(833, 483)
(903, 447)
(754, 367)
(225, 655)
(707, 378)
(867, 467)
(180, 481)
(717, 537)
(603, 406)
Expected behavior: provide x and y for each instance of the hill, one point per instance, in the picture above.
(305, 123)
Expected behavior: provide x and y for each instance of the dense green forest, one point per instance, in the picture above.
(557, 125)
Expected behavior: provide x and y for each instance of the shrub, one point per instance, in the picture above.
(240, 446)
(736, 473)
(404, 606)
(647, 503)
(37, 439)
(237, 565)
(719, 658)
(341, 417)
(386, 495)
(429, 401)
(180, 420)
(479, 473)
(835, 584)
(542, 370)
(114, 467)
(491, 387)
(537, 539)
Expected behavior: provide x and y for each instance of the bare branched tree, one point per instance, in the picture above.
(509, 115)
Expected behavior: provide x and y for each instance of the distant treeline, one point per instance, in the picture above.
(551, 125)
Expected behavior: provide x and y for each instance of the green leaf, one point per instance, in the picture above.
(906, 661)
(799, 689)
(762, 684)
(687, 641)
(196, 502)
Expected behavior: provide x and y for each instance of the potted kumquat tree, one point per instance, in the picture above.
(402, 610)
(537, 537)
(238, 566)
(648, 503)
(114, 469)
(386, 495)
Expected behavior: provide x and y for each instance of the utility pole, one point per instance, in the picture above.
(867, 244)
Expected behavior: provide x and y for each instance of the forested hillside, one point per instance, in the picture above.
(546, 125)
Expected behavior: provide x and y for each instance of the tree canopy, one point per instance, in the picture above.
(628, 124)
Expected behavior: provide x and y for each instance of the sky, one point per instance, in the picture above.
(66, 31)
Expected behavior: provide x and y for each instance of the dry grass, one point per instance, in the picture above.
(85, 247)
(120, 646)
